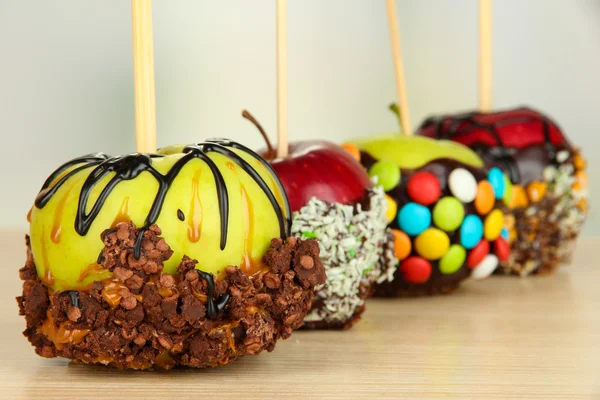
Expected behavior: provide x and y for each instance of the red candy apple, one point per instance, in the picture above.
(517, 128)
(317, 168)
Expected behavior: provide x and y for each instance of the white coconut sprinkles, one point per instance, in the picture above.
(352, 242)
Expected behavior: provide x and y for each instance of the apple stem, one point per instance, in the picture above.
(250, 118)
(394, 108)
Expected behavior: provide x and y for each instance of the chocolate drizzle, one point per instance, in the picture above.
(502, 153)
(131, 166)
(180, 215)
(213, 308)
(73, 295)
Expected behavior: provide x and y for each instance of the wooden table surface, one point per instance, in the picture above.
(503, 338)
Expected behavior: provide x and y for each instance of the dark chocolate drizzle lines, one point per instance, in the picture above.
(503, 155)
(180, 215)
(131, 166)
(213, 308)
(288, 212)
(73, 295)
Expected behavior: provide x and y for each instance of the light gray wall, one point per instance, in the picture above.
(66, 74)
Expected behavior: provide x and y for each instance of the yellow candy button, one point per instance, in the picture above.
(492, 227)
(392, 208)
(432, 244)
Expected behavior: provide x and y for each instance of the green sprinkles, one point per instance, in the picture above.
(351, 253)
(309, 235)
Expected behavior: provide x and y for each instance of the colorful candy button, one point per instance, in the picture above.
(387, 173)
(485, 199)
(518, 198)
(578, 161)
(496, 178)
(432, 244)
(507, 198)
(416, 269)
(463, 185)
(402, 244)
(536, 191)
(353, 150)
(485, 267)
(471, 231)
(391, 209)
(493, 225)
(504, 231)
(414, 218)
(453, 259)
(424, 188)
(502, 249)
(478, 253)
(448, 214)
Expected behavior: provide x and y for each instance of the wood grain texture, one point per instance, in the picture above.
(503, 338)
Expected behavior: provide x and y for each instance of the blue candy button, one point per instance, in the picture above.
(496, 178)
(504, 233)
(414, 218)
(471, 231)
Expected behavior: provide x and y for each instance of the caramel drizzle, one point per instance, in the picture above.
(454, 130)
(123, 215)
(195, 221)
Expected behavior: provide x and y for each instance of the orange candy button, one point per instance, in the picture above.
(519, 197)
(402, 244)
(353, 150)
(536, 191)
(484, 201)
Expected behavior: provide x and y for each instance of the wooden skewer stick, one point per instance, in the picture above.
(398, 67)
(282, 79)
(143, 70)
(485, 55)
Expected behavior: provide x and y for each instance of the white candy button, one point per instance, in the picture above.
(463, 185)
(485, 267)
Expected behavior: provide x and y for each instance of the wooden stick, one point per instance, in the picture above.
(485, 55)
(282, 77)
(398, 67)
(143, 70)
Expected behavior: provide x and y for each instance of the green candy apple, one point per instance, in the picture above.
(412, 152)
(66, 227)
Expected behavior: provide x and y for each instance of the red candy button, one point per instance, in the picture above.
(416, 269)
(424, 188)
(478, 253)
(502, 249)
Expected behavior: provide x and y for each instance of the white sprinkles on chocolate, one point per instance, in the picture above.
(352, 241)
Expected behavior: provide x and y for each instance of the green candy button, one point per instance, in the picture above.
(387, 173)
(448, 214)
(508, 191)
(453, 259)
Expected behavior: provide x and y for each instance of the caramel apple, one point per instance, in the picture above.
(334, 201)
(156, 260)
(442, 210)
(549, 199)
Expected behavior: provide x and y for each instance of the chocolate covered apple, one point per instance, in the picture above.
(549, 198)
(443, 209)
(179, 258)
(333, 200)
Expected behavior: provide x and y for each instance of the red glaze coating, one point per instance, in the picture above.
(320, 169)
(502, 249)
(518, 128)
(416, 269)
(424, 188)
(478, 253)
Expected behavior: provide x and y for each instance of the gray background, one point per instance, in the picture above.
(66, 74)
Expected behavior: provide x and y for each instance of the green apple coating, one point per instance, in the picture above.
(216, 202)
(412, 152)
